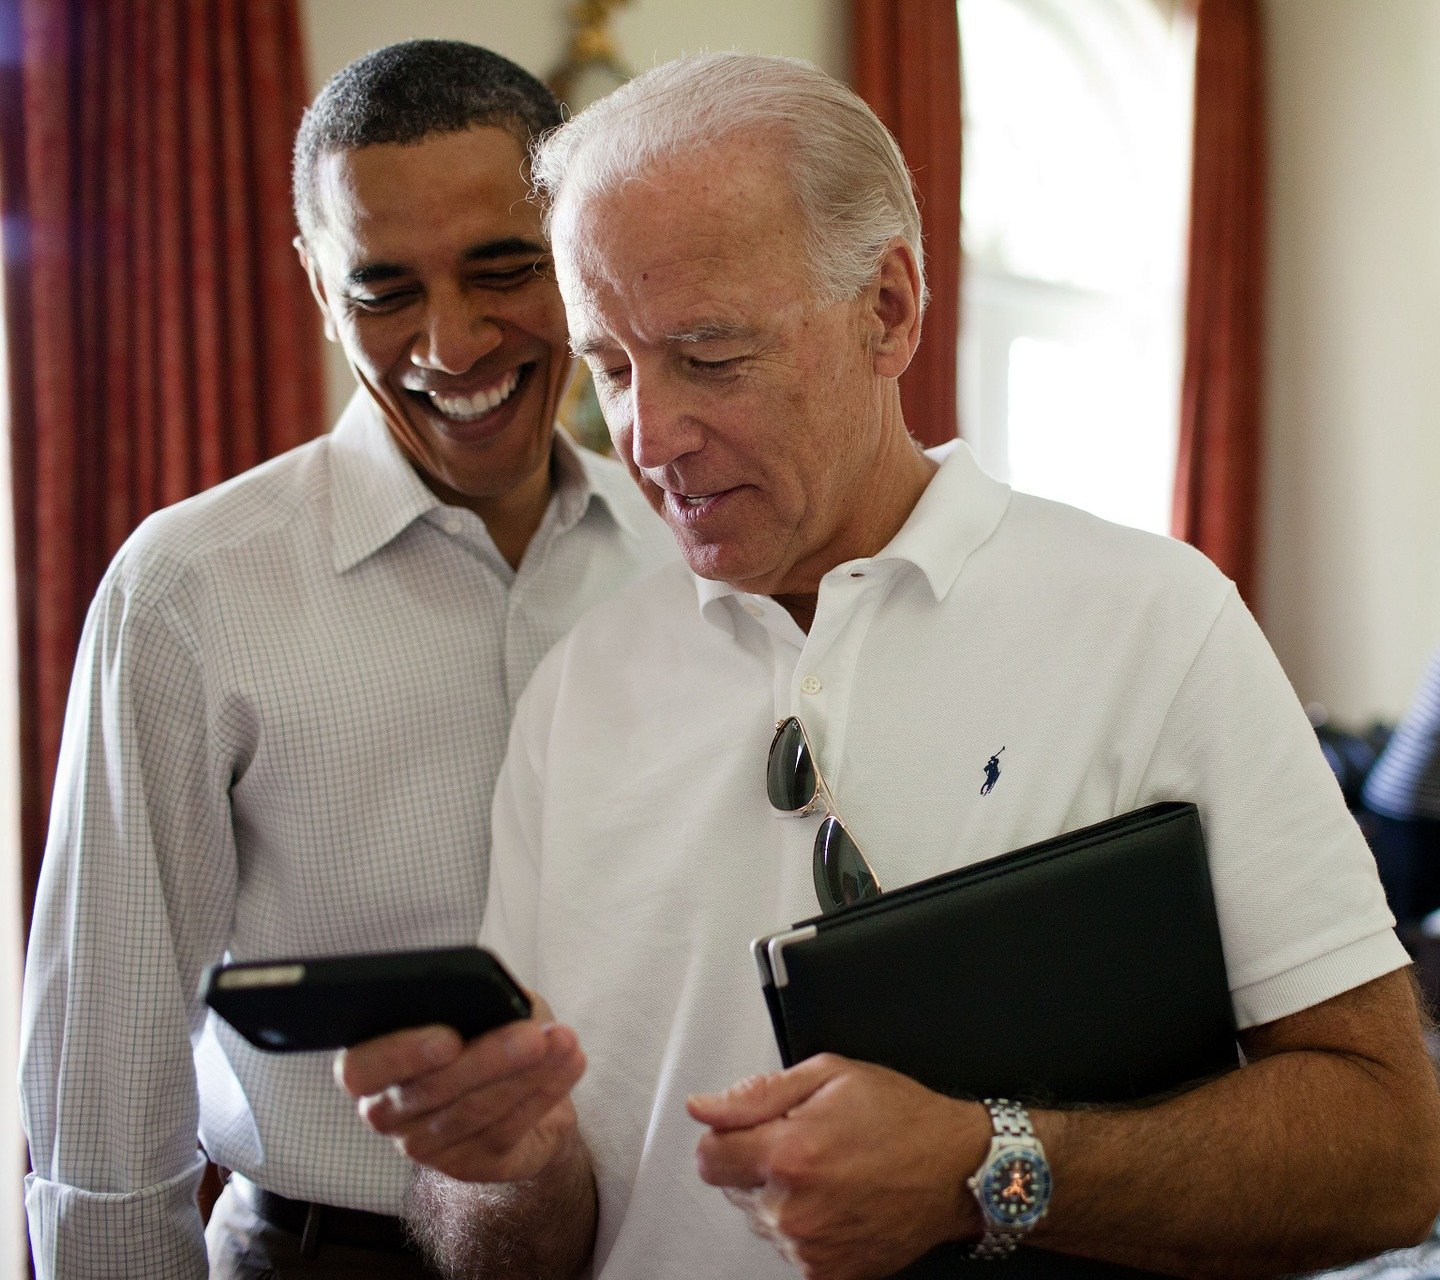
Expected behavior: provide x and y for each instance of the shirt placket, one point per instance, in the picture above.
(823, 678)
(813, 677)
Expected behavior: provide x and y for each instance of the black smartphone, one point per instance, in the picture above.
(332, 1002)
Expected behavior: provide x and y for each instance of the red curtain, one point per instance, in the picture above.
(907, 67)
(160, 332)
(1217, 475)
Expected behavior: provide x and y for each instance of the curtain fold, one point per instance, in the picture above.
(1217, 472)
(161, 334)
(907, 67)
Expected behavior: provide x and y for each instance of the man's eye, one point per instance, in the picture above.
(610, 377)
(512, 277)
(379, 303)
(728, 365)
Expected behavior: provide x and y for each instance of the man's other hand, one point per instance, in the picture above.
(495, 1109)
(850, 1170)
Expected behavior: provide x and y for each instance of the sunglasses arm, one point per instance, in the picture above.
(822, 789)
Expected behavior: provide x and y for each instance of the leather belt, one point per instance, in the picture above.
(318, 1224)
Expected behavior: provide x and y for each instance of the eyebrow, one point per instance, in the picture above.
(712, 331)
(489, 251)
(590, 347)
(706, 331)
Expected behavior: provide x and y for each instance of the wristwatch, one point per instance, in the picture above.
(1012, 1184)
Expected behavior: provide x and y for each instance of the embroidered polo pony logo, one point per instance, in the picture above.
(992, 773)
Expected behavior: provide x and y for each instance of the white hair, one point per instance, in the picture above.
(847, 173)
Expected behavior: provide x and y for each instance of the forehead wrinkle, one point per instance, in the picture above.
(391, 209)
(660, 283)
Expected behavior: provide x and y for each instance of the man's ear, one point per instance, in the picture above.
(895, 309)
(317, 287)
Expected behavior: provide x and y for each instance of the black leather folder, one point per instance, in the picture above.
(1084, 969)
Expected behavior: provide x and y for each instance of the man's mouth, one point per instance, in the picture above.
(472, 408)
(696, 506)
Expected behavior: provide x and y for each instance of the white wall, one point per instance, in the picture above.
(534, 34)
(1351, 589)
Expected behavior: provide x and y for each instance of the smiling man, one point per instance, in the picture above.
(739, 250)
(429, 263)
(293, 695)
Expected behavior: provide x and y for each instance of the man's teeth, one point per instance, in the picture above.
(468, 408)
(694, 499)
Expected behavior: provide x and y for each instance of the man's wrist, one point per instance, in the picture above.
(527, 1228)
(967, 1140)
(1011, 1185)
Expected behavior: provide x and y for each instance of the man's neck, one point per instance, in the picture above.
(512, 518)
(801, 607)
(904, 482)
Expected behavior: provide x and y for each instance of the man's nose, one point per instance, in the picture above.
(455, 335)
(663, 426)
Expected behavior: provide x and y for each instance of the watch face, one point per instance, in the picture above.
(1016, 1188)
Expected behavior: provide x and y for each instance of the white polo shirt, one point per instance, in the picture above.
(636, 854)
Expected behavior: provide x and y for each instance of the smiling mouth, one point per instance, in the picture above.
(471, 408)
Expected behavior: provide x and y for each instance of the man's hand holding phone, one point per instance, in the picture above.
(494, 1109)
(449, 1057)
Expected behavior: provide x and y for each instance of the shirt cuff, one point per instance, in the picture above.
(1318, 979)
(90, 1235)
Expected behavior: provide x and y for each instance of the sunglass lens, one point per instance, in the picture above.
(790, 774)
(842, 876)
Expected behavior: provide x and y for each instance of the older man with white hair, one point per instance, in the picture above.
(739, 251)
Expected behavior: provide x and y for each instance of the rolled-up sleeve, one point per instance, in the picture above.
(136, 892)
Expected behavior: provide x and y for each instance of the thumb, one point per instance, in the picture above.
(761, 1098)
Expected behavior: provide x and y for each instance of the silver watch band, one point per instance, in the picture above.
(995, 1244)
(1009, 1120)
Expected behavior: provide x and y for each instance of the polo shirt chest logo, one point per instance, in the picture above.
(992, 773)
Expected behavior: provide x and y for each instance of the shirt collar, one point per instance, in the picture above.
(960, 508)
(377, 495)
(583, 477)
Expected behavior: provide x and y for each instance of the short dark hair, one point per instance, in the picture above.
(406, 91)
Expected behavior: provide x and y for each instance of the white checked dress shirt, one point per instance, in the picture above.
(289, 708)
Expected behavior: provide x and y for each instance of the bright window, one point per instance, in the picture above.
(1076, 184)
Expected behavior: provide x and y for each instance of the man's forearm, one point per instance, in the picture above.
(539, 1229)
(1304, 1159)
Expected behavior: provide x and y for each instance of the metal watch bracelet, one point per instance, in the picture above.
(1009, 1121)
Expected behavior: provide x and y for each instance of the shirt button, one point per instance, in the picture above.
(811, 684)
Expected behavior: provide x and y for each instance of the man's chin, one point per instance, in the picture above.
(722, 564)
